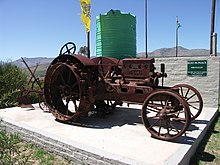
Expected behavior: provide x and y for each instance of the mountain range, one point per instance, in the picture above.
(32, 61)
(163, 52)
(171, 52)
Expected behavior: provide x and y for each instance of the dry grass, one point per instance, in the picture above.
(15, 151)
(209, 150)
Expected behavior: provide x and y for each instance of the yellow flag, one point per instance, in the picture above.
(85, 16)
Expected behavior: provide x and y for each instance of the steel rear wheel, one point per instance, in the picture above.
(193, 98)
(63, 92)
(159, 115)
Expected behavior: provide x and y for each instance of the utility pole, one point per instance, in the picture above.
(146, 27)
(212, 27)
(177, 30)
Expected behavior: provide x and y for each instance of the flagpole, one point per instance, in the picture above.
(88, 43)
(86, 19)
(176, 42)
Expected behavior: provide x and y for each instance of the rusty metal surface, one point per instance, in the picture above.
(138, 68)
(77, 86)
(161, 113)
(67, 88)
(105, 65)
(35, 85)
(193, 98)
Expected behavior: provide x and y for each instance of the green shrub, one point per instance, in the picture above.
(9, 99)
(11, 80)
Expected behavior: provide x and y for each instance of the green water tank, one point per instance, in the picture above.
(116, 35)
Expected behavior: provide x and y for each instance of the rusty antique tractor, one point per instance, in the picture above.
(76, 85)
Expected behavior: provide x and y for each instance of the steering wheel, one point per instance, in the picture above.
(68, 48)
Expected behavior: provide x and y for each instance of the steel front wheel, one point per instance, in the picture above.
(193, 98)
(159, 115)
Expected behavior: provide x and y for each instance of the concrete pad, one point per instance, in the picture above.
(119, 138)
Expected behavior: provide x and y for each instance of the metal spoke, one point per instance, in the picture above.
(161, 102)
(187, 92)
(155, 106)
(62, 78)
(152, 117)
(181, 89)
(174, 127)
(191, 97)
(166, 104)
(160, 125)
(69, 77)
(196, 102)
(153, 124)
(191, 114)
(193, 107)
(175, 113)
(152, 109)
(167, 125)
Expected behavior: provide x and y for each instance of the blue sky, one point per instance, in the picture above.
(38, 28)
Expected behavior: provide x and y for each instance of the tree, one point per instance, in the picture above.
(83, 51)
